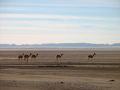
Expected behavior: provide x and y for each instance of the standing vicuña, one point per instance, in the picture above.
(59, 56)
(34, 56)
(20, 57)
(26, 56)
(91, 56)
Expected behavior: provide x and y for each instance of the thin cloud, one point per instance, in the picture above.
(65, 3)
(85, 25)
(53, 16)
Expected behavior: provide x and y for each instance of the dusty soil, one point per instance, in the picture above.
(75, 73)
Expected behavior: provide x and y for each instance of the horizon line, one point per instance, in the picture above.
(59, 43)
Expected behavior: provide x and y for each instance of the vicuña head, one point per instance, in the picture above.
(94, 53)
(62, 54)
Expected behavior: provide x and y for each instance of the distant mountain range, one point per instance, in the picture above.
(62, 45)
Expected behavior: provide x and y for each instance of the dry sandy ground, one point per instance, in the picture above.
(70, 55)
(60, 78)
(16, 75)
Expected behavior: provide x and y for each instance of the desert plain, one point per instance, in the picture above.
(75, 72)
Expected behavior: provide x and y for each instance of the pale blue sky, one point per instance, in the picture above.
(59, 21)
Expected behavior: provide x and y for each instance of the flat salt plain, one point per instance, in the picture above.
(75, 72)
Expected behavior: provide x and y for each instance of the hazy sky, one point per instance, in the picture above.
(59, 21)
